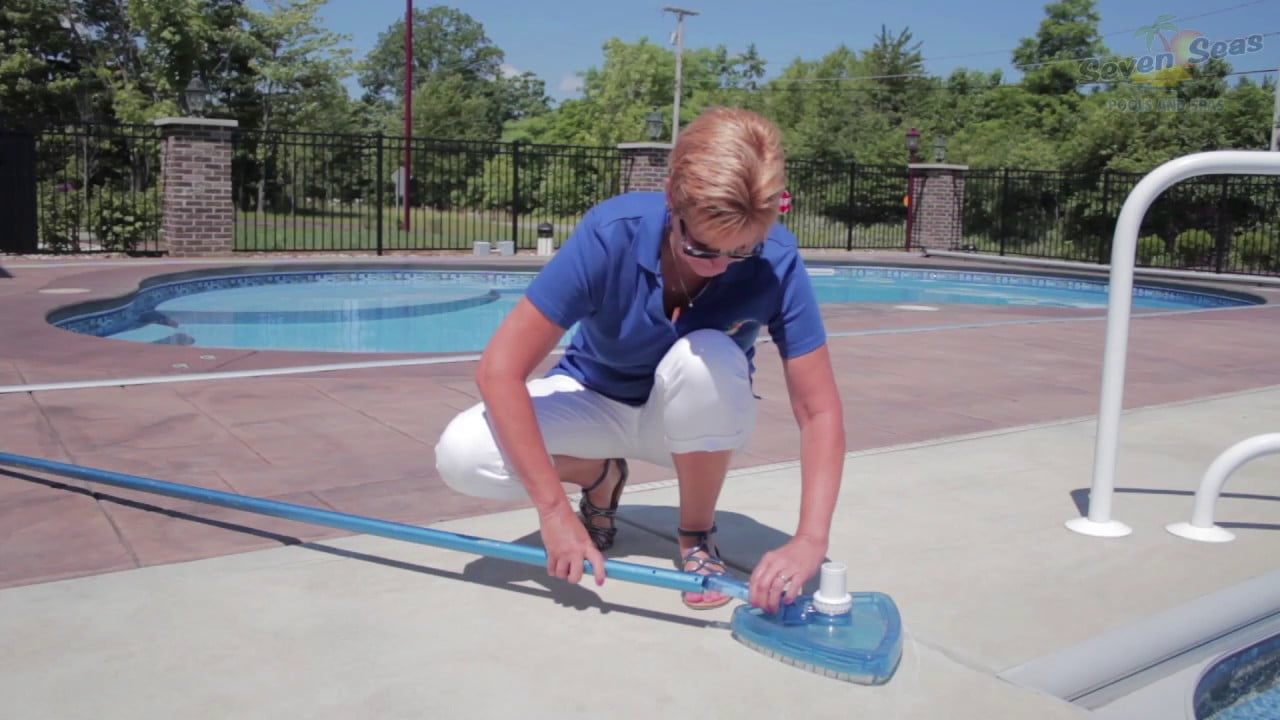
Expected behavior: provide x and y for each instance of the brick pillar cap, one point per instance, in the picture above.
(644, 146)
(936, 166)
(197, 122)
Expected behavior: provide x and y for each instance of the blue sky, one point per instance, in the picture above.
(556, 39)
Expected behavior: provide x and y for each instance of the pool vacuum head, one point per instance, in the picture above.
(855, 637)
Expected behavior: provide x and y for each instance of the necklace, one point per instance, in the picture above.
(688, 298)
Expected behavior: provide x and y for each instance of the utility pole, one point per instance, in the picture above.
(679, 39)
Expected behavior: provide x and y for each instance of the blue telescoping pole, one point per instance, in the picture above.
(618, 570)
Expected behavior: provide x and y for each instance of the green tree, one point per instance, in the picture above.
(634, 79)
(1067, 36)
(40, 68)
(450, 51)
(816, 104)
(298, 67)
(175, 35)
(896, 69)
(523, 95)
(445, 42)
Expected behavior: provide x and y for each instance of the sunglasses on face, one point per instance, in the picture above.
(693, 248)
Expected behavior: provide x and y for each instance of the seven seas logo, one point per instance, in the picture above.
(1167, 66)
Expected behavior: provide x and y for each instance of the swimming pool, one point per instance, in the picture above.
(428, 311)
(1243, 686)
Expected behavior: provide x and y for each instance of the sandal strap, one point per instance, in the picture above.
(603, 536)
(704, 545)
(712, 558)
(704, 534)
(603, 474)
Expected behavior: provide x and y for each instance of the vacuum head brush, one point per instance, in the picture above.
(855, 637)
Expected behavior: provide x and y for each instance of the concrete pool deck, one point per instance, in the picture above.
(971, 438)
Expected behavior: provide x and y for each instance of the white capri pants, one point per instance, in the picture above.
(701, 401)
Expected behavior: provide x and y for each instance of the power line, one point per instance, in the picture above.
(920, 75)
(1060, 61)
(973, 90)
(852, 77)
(1046, 63)
(1109, 34)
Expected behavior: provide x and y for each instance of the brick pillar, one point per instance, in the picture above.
(644, 166)
(197, 211)
(937, 191)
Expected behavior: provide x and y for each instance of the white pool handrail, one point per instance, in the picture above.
(1202, 527)
(1099, 522)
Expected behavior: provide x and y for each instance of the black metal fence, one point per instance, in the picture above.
(310, 191)
(97, 188)
(94, 188)
(846, 205)
(1213, 223)
(299, 192)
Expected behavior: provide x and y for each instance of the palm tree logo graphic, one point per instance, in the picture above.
(1176, 45)
(1156, 30)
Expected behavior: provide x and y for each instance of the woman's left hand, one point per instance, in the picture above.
(782, 573)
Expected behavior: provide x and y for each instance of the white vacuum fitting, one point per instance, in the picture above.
(833, 597)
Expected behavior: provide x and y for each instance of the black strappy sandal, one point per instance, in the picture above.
(589, 511)
(711, 562)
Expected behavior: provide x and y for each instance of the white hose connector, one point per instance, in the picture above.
(833, 597)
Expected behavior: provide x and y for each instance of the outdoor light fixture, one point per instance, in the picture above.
(196, 96)
(653, 124)
(940, 148)
(913, 142)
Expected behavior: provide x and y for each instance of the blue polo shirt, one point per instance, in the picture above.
(607, 277)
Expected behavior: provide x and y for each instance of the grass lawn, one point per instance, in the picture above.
(358, 230)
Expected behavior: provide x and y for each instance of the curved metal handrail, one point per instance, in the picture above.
(1099, 522)
(1202, 527)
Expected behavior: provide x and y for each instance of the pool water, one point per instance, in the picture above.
(432, 311)
(1243, 686)
(1263, 705)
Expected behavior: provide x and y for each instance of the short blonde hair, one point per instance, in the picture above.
(728, 168)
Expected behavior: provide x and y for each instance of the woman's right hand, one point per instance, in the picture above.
(568, 545)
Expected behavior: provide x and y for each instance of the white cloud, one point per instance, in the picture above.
(509, 70)
(570, 84)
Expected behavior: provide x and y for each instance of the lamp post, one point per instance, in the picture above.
(913, 146)
(653, 124)
(195, 97)
(940, 148)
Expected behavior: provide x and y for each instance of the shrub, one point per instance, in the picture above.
(122, 220)
(61, 217)
(1195, 247)
(1150, 247)
(1254, 251)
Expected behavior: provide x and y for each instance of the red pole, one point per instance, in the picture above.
(911, 205)
(408, 101)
